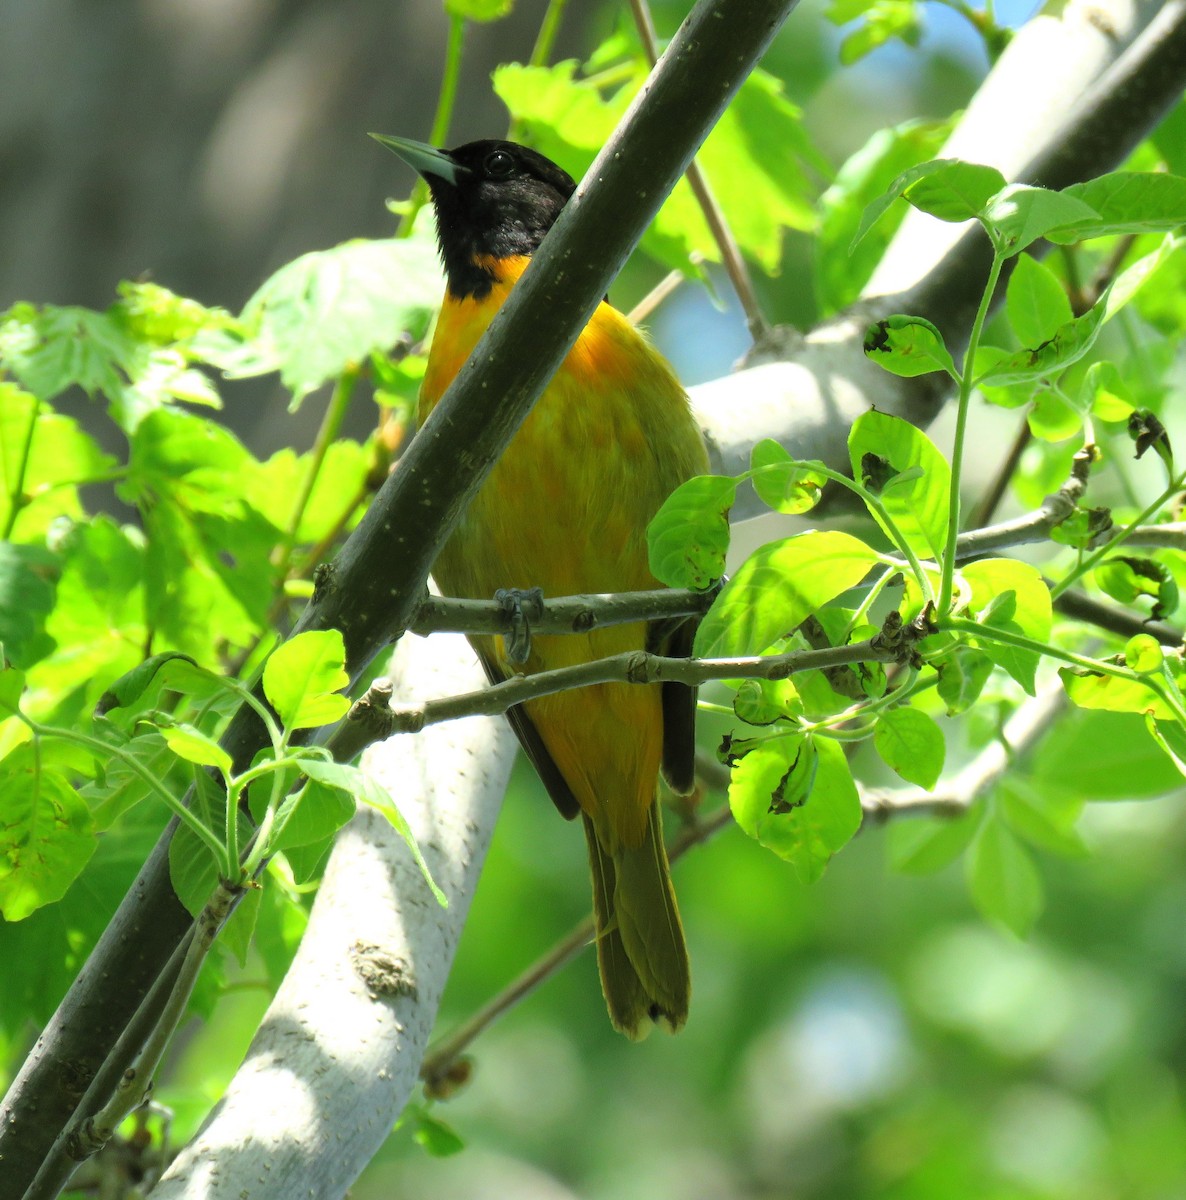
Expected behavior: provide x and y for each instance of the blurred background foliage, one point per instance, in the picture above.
(869, 1036)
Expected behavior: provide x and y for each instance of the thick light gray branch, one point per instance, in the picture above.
(339, 1050)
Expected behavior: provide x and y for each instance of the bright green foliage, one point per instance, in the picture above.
(1126, 578)
(912, 745)
(1002, 877)
(908, 346)
(900, 465)
(755, 159)
(304, 678)
(164, 618)
(479, 10)
(962, 676)
(688, 536)
(1036, 302)
(840, 275)
(1010, 596)
(782, 483)
(329, 310)
(46, 837)
(796, 796)
(1130, 202)
(778, 588)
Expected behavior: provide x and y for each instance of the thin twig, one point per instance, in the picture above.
(639, 667)
(731, 257)
(664, 288)
(564, 614)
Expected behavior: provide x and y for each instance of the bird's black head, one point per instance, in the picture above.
(492, 199)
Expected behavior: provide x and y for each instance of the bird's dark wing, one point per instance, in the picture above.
(674, 638)
(533, 745)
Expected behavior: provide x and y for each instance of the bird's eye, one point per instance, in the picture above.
(499, 163)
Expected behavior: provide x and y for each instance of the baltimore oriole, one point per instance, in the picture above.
(566, 509)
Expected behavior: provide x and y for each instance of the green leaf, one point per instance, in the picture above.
(796, 796)
(1104, 393)
(190, 743)
(1127, 577)
(689, 535)
(26, 600)
(1102, 756)
(911, 744)
(369, 791)
(952, 187)
(955, 191)
(762, 702)
(130, 686)
(304, 677)
(1113, 693)
(310, 815)
(1044, 817)
(42, 456)
(1143, 654)
(46, 834)
(328, 310)
(782, 483)
(1018, 215)
(429, 1132)
(341, 481)
(1052, 419)
(962, 676)
(98, 622)
(237, 933)
(1066, 345)
(839, 275)
(208, 571)
(886, 19)
(1012, 596)
(479, 10)
(1128, 202)
(756, 158)
(1036, 302)
(117, 788)
(908, 346)
(1002, 879)
(898, 462)
(50, 349)
(777, 587)
(924, 845)
(1082, 527)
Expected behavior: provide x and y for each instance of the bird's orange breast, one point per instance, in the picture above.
(566, 509)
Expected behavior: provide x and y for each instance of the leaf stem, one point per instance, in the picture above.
(331, 425)
(1086, 564)
(16, 495)
(442, 120)
(548, 29)
(105, 750)
(947, 577)
(993, 634)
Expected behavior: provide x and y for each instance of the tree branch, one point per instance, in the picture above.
(643, 668)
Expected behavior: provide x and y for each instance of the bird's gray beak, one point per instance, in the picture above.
(422, 158)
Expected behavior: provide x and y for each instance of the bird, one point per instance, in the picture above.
(565, 510)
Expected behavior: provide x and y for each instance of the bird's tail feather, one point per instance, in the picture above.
(640, 941)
